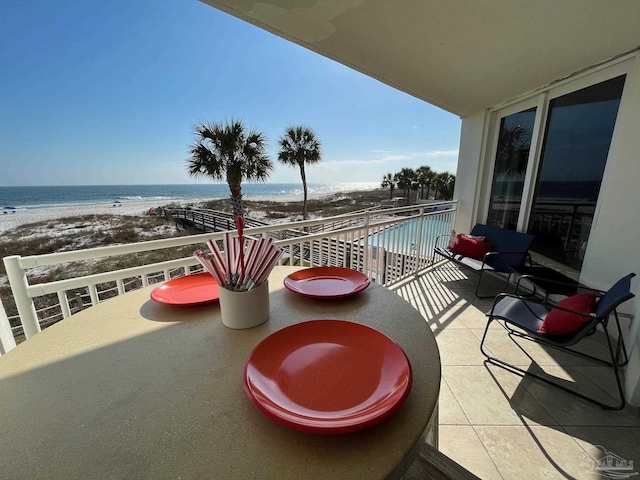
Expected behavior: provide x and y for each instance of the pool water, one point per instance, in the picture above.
(402, 236)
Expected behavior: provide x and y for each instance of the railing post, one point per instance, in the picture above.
(64, 304)
(7, 342)
(365, 249)
(19, 283)
(455, 214)
(79, 301)
(419, 246)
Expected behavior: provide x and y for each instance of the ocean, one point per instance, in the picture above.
(51, 196)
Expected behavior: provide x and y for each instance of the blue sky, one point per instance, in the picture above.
(109, 92)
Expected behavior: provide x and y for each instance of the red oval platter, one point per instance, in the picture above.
(188, 290)
(326, 282)
(327, 376)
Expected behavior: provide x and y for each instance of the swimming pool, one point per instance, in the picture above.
(415, 236)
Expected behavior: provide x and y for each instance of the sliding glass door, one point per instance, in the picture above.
(547, 171)
(574, 154)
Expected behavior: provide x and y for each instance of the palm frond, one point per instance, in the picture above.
(228, 151)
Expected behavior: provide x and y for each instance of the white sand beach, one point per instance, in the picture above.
(23, 216)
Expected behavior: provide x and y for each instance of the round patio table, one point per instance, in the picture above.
(132, 388)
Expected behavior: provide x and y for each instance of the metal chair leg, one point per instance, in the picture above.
(620, 402)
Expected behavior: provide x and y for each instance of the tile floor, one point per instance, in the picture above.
(498, 425)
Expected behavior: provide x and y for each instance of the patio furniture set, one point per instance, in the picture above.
(529, 313)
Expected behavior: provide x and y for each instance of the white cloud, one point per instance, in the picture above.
(385, 157)
(381, 162)
(344, 164)
(396, 158)
(440, 153)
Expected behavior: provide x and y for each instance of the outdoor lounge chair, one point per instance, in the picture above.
(510, 250)
(522, 318)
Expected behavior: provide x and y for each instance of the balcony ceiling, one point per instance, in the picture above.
(460, 55)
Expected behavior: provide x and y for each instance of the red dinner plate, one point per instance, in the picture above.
(188, 290)
(327, 376)
(326, 282)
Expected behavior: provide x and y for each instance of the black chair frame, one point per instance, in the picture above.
(542, 287)
(486, 266)
(511, 249)
(529, 314)
(491, 263)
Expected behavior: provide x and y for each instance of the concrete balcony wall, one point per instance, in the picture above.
(469, 173)
(611, 250)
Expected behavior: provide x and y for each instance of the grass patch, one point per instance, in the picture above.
(75, 233)
(329, 206)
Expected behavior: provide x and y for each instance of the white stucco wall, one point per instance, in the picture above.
(613, 249)
(468, 175)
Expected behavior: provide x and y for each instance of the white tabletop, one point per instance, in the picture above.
(134, 389)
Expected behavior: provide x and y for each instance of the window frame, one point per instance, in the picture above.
(540, 100)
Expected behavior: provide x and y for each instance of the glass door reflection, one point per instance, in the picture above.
(574, 154)
(512, 156)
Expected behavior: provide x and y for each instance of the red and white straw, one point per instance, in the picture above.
(245, 262)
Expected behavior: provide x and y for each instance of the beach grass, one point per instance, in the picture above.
(74, 233)
(321, 207)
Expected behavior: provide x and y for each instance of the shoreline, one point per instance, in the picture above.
(12, 219)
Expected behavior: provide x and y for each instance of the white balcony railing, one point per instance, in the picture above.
(388, 245)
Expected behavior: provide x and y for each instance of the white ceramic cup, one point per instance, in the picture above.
(244, 309)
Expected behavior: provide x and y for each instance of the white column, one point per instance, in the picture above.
(24, 303)
(469, 173)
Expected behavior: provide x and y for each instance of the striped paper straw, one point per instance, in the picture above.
(208, 262)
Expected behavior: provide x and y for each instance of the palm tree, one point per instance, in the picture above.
(443, 184)
(389, 180)
(298, 146)
(406, 177)
(228, 151)
(425, 178)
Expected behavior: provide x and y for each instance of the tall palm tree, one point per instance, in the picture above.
(425, 178)
(389, 181)
(228, 151)
(406, 176)
(298, 146)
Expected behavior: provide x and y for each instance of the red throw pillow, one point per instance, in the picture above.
(470, 247)
(454, 236)
(559, 322)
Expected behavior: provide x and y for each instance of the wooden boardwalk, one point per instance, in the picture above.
(208, 220)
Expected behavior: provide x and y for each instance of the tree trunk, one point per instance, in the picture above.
(304, 189)
(235, 189)
(391, 194)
